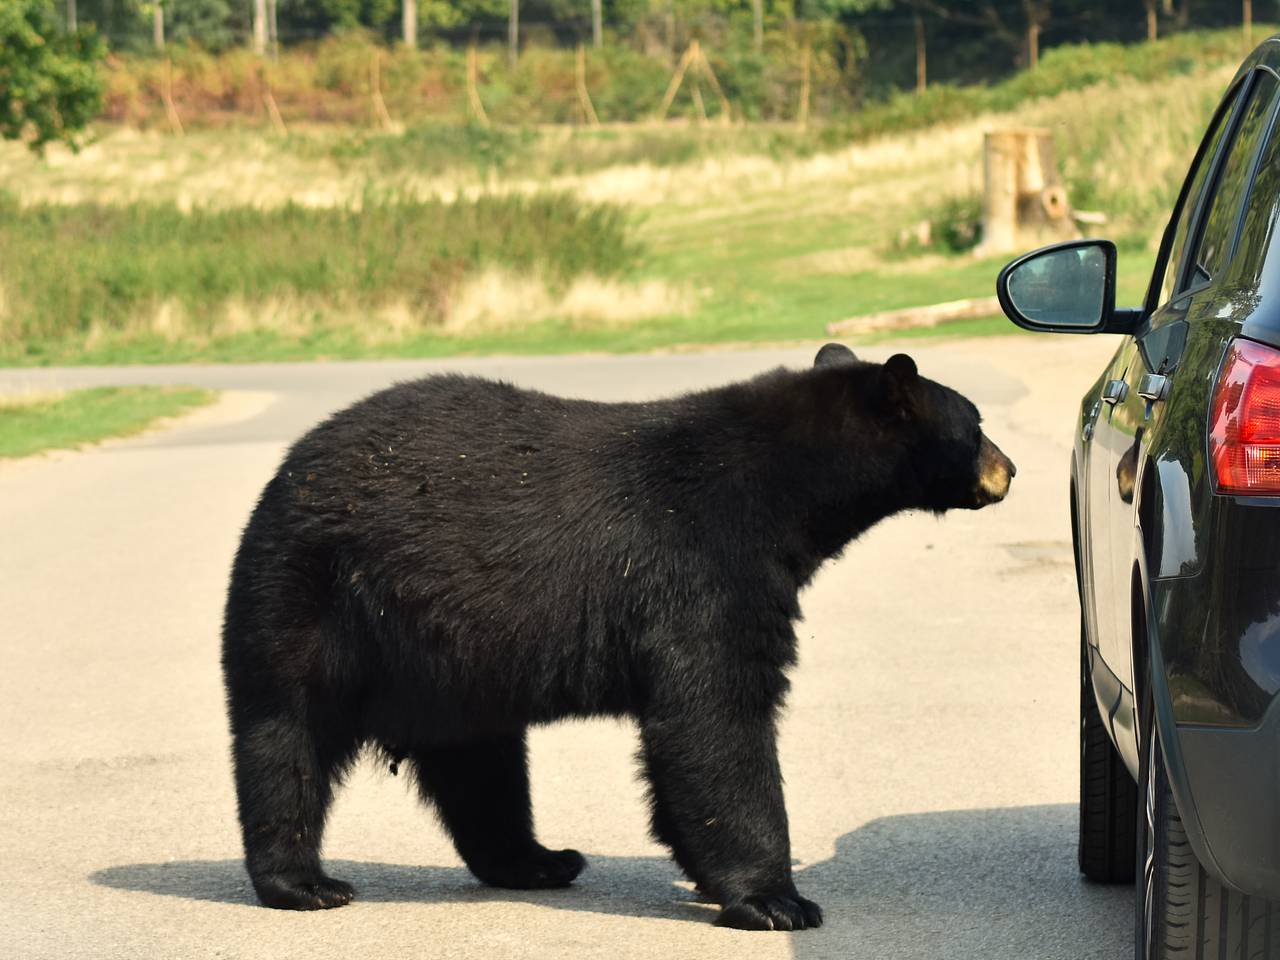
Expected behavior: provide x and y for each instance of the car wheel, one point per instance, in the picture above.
(1108, 795)
(1182, 912)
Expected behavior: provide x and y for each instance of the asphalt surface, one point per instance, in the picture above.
(929, 744)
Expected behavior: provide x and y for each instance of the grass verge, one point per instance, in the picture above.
(32, 424)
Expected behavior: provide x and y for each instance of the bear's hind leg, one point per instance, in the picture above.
(481, 790)
(284, 779)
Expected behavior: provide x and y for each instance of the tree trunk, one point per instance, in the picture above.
(409, 22)
(757, 24)
(260, 27)
(597, 24)
(1036, 14)
(273, 34)
(1248, 23)
(922, 71)
(1024, 203)
(1152, 19)
(71, 16)
(513, 34)
(157, 27)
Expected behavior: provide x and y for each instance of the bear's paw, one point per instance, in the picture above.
(297, 892)
(771, 912)
(541, 869)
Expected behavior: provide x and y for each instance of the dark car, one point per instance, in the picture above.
(1175, 513)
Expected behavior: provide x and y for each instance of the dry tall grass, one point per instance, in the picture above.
(497, 300)
(491, 301)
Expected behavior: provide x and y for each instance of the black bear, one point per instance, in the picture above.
(451, 560)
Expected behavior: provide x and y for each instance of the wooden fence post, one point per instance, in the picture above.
(676, 79)
(803, 118)
(269, 100)
(166, 94)
(584, 95)
(922, 53)
(381, 115)
(726, 113)
(695, 58)
(474, 105)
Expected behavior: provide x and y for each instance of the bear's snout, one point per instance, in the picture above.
(995, 472)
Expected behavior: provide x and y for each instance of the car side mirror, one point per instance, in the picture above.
(1065, 288)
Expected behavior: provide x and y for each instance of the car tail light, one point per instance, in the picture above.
(1244, 432)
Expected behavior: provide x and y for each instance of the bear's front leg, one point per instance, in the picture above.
(717, 802)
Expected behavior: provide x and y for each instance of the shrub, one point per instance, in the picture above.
(49, 85)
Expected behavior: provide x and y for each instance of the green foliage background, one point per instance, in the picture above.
(49, 82)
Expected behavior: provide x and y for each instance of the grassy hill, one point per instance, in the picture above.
(694, 234)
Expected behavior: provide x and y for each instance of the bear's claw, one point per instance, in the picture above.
(293, 892)
(782, 912)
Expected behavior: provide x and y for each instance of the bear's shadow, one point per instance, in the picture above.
(957, 883)
(638, 886)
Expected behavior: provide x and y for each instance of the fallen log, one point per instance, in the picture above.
(929, 316)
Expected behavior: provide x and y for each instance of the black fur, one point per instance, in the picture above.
(449, 561)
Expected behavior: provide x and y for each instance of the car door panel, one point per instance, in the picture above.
(1145, 371)
(1097, 456)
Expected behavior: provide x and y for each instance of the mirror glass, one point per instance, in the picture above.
(1061, 288)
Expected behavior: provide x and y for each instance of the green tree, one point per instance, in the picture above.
(353, 13)
(49, 83)
(203, 22)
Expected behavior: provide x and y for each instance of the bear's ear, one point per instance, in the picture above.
(901, 368)
(898, 385)
(833, 354)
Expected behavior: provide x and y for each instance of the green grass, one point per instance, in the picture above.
(742, 265)
(68, 420)
(76, 270)
(775, 309)
(764, 241)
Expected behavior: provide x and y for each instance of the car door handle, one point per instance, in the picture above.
(1114, 392)
(1090, 420)
(1153, 387)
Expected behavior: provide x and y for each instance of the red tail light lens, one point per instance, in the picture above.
(1244, 437)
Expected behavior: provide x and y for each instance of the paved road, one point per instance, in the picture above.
(929, 744)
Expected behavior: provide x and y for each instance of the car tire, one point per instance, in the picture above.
(1108, 795)
(1183, 913)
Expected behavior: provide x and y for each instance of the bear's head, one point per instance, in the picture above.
(941, 459)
